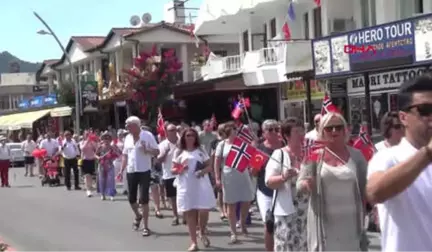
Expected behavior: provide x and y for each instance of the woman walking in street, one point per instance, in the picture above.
(335, 179)
(5, 157)
(88, 165)
(119, 143)
(237, 186)
(195, 196)
(106, 154)
(290, 212)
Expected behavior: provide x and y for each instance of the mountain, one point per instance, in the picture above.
(10, 63)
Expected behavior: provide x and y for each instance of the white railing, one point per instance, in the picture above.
(232, 64)
(271, 55)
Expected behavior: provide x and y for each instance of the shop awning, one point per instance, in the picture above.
(61, 111)
(22, 120)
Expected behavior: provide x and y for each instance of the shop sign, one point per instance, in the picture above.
(296, 90)
(404, 42)
(38, 102)
(89, 94)
(384, 80)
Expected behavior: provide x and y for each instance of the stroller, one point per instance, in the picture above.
(52, 176)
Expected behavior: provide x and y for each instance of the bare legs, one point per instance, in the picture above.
(232, 219)
(192, 216)
(155, 193)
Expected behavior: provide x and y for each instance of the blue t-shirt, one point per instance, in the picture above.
(261, 175)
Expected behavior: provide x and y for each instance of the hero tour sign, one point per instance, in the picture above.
(400, 43)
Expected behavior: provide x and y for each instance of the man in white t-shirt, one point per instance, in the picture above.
(313, 134)
(165, 157)
(399, 177)
(28, 146)
(50, 145)
(139, 148)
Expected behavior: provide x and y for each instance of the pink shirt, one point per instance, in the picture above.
(88, 150)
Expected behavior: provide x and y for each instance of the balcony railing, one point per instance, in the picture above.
(289, 53)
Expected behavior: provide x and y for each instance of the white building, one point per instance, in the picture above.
(265, 56)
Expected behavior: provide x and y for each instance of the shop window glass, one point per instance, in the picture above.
(393, 102)
(294, 109)
(357, 113)
(379, 106)
(317, 22)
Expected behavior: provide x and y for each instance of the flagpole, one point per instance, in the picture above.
(241, 98)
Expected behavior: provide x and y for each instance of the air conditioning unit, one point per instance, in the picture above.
(342, 25)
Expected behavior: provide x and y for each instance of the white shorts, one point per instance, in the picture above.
(264, 203)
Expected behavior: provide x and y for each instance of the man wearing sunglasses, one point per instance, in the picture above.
(313, 134)
(400, 177)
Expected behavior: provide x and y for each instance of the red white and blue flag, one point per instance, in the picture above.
(239, 107)
(364, 143)
(310, 148)
(245, 134)
(328, 106)
(240, 155)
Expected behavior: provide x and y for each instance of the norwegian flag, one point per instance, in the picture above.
(160, 124)
(240, 155)
(364, 143)
(240, 107)
(213, 122)
(309, 149)
(328, 106)
(244, 133)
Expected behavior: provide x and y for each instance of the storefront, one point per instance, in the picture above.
(293, 98)
(401, 51)
(383, 94)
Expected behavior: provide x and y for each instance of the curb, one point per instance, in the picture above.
(8, 247)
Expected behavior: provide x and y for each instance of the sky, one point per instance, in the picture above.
(85, 17)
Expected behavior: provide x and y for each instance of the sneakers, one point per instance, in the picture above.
(89, 193)
(111, 198)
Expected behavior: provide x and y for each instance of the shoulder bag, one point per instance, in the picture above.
(269, 218)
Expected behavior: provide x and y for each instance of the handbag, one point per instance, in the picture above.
(269, 217)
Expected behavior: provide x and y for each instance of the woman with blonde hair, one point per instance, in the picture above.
(335, 180)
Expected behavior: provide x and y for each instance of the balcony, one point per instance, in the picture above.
(263, 66)
(217, 67)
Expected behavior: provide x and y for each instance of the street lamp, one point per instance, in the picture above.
(77, 90)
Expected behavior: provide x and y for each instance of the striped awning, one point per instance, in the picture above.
(22, 120)
(61, 111)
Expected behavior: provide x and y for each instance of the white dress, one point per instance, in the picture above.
(193, 192)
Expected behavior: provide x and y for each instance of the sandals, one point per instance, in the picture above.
(159, 215)
(145, 232)
(205, 240)
(223, 218)
(193, 247)
(233, 239)
(175, 222)
(137, 222)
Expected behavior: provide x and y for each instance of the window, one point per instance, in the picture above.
(221, 53)
(265, 35)
(4, 102)
(246, 41)
(306, 25)
(408, 8)
(365, 12)
(273, 28)
(317, 22)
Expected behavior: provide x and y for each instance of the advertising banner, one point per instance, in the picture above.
(89, 94)
(38, 102)
(405, 42)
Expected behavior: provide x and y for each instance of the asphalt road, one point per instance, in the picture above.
(35, 218)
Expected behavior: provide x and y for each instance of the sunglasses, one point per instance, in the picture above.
(272, 130)
(424, 109)
(332, 128)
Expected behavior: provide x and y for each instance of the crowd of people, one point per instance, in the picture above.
(308, 200)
